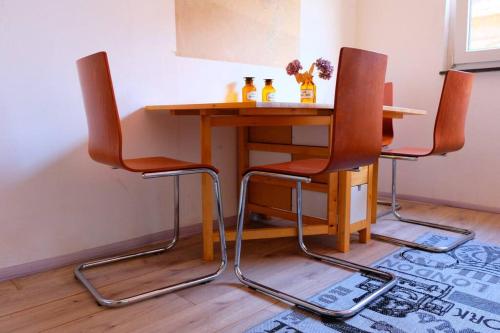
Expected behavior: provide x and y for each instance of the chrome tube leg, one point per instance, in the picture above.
(171, 288)
(176, 207)
(239, 225)
(467, 235)
(393, 187)
(220, 220)
(300, 225)
(395, 206)
(304, 304)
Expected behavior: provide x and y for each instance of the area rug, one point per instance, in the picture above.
(455, 292)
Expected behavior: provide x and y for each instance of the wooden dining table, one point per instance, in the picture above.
(246, 116)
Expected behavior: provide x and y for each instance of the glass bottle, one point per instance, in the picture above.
(308, 92)
(268, 92)
(249, 92)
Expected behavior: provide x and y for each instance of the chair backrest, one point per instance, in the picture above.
(103, 120)
(449, 129)
(356, 133)
(387, 127)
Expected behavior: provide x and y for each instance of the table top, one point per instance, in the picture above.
(267, 108)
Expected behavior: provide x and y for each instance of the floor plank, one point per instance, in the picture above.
(128, 319)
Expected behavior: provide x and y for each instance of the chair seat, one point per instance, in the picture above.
(304, 168)
(407, 152)
(159, 164)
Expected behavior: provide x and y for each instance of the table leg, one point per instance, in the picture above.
(332, 196)
(365, 234)
(374, 191)
(207, 198)
(243, 154)
(344, 209)
(333, 189)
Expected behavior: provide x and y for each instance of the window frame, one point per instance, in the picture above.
(461, 57)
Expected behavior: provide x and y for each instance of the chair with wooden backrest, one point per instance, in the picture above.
(387, 135)
(356, 138)
(105, 146)
(449, 136)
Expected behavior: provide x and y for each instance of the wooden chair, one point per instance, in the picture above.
(356, 137)
(449, 136)
(387, 136)
(105, 146)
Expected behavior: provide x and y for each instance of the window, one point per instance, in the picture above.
(476, 33)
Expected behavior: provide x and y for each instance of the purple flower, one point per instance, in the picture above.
(325, 68)
(294, 67)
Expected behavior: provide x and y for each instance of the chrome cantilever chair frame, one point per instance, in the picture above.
(467, 234)
(101, 300)
(340, 314)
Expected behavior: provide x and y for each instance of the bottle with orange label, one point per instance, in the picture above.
(268, 92)
(249, 92)
(308, 92)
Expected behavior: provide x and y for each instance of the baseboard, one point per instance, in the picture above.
(442, 202)
(12, 272)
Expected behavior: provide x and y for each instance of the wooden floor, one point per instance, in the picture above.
(54, 302)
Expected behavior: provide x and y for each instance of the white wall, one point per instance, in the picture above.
(53, 199)
(412, 33)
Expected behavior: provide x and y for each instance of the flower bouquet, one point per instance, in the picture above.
(307, 86)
